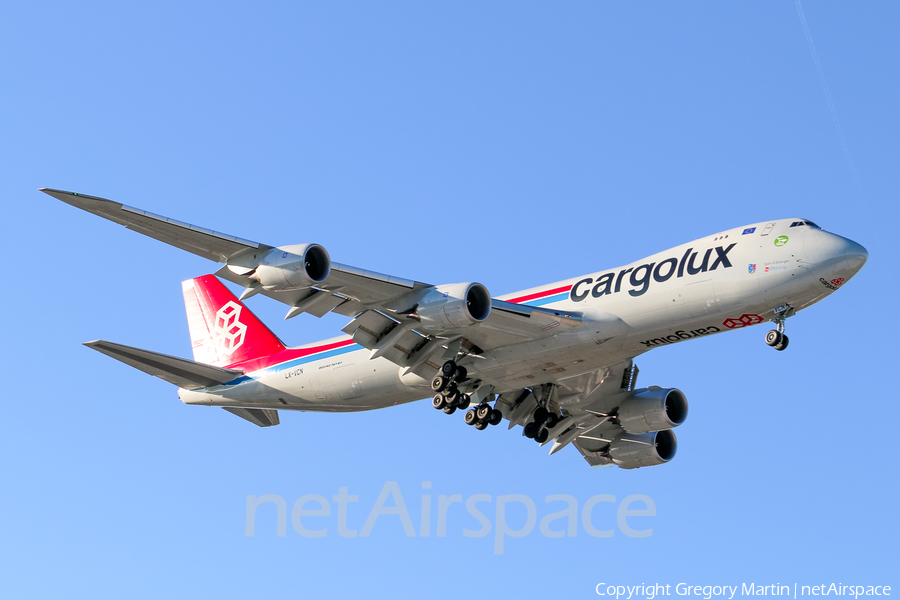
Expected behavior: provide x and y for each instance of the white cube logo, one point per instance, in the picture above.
(229, 332)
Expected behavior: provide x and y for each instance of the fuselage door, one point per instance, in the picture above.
(348, 382)
(318, 389)
(700, 297)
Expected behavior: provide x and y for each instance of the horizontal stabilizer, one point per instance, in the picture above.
(184, 373)
(264, 417)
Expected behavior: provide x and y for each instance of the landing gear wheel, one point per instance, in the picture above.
(483, 412)
(449, 410)
(464, 400)
(461, 374)
(448, 368)
(783, 344)
(451, 394)
(440, 383)
(471, 418)
(480, 426)
(496, 417)
(531, 430)
(541, 436)
(438, 402)
(551, 421)
(774, 337)
(540, 414)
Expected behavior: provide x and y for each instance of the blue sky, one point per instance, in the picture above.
(511, 143)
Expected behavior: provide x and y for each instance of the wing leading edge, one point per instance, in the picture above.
(215, 246)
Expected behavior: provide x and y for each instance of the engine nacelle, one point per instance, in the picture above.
(293, 267)
(653, 409)
(643, 450)
(454, 305)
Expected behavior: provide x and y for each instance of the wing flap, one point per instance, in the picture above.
(380, 333)
(401, 348)
(182, 372)
(326, 305)
(371, 322)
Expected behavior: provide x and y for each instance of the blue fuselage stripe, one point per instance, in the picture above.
(547, 300)
(294, 363)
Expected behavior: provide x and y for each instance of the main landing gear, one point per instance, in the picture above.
(537, 410)
(542, 421)
(777, 338)
(482, 416)
(448, 397)
(445, 385)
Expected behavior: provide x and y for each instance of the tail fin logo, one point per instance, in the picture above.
(229, 333)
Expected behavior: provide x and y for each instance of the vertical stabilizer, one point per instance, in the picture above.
(224, 332)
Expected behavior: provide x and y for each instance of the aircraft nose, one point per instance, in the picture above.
(837, 258)
(855, 256)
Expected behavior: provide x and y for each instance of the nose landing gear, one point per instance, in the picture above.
(777, 338)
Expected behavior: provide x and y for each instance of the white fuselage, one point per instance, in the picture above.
(725, 281)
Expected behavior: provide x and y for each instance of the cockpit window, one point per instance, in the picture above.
(807, 223)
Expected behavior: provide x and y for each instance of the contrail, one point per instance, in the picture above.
(834, 116)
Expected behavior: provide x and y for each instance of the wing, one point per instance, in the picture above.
(203, 242)
(358, 287)
(588, 403)
(379, 304)
(347, 291)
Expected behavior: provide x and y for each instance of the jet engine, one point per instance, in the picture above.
(454, 305)
(653, 409)
(293, 267)
(643, 450)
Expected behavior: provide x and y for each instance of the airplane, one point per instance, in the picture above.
(557, 360)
